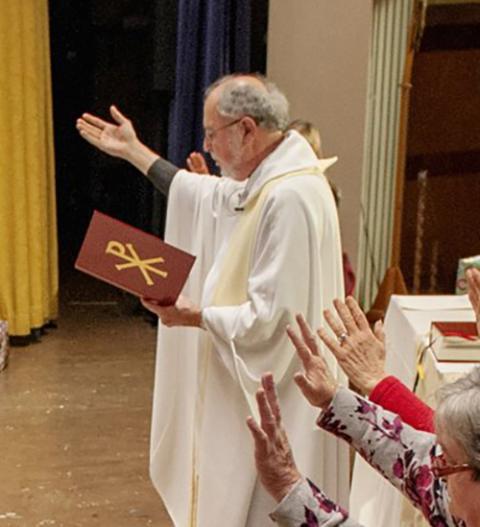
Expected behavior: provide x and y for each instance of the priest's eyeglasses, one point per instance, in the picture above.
(442, 469)
(210, 134)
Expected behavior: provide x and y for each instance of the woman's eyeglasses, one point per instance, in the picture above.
(441, 468)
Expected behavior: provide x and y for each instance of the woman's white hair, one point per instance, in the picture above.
(268, 106)
(458, 414)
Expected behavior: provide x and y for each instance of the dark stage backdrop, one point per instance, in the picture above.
(214, 38)
(153, 59)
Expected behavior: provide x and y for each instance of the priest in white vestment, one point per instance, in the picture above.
(267, 243)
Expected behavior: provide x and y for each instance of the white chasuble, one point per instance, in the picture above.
(266, 250)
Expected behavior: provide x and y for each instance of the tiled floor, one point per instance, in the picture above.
(74, 421)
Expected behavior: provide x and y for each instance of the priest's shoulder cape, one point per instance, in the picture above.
(266, 250)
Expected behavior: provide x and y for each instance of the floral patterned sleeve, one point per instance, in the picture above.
(307, 506)
(400, 453)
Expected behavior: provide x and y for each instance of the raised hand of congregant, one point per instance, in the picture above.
(359, 351)
(316, 381)
(273, 455)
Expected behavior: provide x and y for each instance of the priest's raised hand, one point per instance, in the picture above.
(117, 138)
(196, 163)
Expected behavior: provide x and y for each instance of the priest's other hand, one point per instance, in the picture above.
(273, 455)
(359, 351)
(183, 313)
(473, 283)
(317, 382)
(196, 163)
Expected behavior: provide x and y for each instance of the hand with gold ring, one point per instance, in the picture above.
(359, 351)
(342, 337)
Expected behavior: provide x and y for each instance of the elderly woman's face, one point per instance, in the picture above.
(463, 490)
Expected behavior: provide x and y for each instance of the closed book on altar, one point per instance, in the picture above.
(133, 260)
(455, 341)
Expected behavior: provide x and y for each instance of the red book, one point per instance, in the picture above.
(455, 341)
(133, 260)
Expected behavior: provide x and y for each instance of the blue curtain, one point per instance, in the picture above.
(213, 39)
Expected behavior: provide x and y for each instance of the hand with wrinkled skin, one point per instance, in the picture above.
(183, 313)
(273, 455)
(362, 353)
(117, 138)
(316, 382)
(473, 283)
(196, 163)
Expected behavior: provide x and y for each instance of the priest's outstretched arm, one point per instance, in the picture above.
(119, 139)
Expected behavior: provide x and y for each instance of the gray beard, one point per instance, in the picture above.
(224, 172)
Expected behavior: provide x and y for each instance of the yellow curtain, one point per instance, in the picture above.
(28, 233)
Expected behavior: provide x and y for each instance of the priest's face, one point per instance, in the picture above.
(222, 138)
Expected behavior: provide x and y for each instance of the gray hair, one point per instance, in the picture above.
(268, 107)
(458, 412)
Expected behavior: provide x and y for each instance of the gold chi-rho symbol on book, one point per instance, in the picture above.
(127, 252)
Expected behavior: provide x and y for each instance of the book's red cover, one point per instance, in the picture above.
(466, 330)
(133, 260)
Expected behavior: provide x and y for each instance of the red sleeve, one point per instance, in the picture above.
(394, 396)
(348, 275)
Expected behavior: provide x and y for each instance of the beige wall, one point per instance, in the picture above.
(318, 55)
